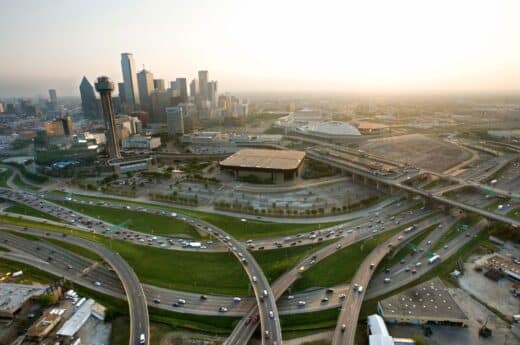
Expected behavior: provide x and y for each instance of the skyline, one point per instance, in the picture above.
(402, 46)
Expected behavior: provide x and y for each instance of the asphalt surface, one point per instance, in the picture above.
(349, 313)
(322, 157)
(245, 329)
(138, 311)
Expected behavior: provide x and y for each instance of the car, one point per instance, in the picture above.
(360, 289)
(97, 283)
(329, 290)
(342, 296)
(181, 301)
(418, 264)
(372, 266)
(254, 279)
(301, 303)
(414, 271)
(203, 297)
(387, 280)
(264, 293)
(142, 339)
(237, 299)
(387, 270)
(407, 269)
(156, 300)
(271, 314)
(338, 246)
(355, 287)
(324, 300)
(266, 334)
(176, 304)
(222, 309)
(343, 327)
(69, 267)
(290, 297)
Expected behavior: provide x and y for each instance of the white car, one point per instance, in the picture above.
(254, 279)
(301, 303)
(290, 297)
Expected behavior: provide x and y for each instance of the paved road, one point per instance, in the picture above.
(348, 317)
(322, 157)
(138, 311)
(244, 330)
(400, 276)
(268, 315)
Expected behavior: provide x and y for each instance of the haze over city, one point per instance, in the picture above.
(259, 172)
(340, 46)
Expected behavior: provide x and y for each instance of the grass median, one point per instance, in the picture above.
(250, 229)
(4, 176)
(29, 211)
(203, 272)
(341, 266)
(136, 220)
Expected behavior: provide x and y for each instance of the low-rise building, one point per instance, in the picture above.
(429, 302)
(272, 166)
(14, 296)
(140, 142)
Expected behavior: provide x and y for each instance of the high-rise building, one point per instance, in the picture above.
(174, 120)
(130, 79)
(182, 88)
(203, 85)
(60, 127)
(53, 99)
(145, 83)
(105, 86)
(173, 86)
(121, 91)
(212, 94)
(194, 88)
(1, 107)
(159, 84)
(88, 99)
(160, 100)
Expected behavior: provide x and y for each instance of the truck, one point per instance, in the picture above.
(433, 259)
(17, 274)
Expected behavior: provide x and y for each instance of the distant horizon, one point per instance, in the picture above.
(403, 46)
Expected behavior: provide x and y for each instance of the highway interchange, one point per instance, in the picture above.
(119, 278)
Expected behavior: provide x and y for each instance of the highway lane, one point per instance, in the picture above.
(138, 311)
(268, 315)
(429, 196)
(400, 277)
(349, 313)
(245, 329)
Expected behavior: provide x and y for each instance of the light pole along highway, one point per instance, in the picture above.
(138, 310)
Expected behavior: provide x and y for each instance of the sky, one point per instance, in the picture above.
(267, 45)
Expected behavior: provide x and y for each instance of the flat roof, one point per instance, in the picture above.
(429, 300)
(13, 296)
(265, 159)
(72, 325)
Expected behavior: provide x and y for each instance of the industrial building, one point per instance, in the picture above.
(14, 296)
(273, 166)
(74, 323)
(429, 302)
(378, 333)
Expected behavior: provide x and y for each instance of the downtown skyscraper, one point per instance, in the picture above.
(88, 99)
(131, 91)
(146, 86)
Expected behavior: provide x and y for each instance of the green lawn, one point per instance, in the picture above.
(75, 249)
(250, 229)
(202, 272)
(515, 213)
(4, 176)
(455, 230)
(29, 211)
(22, 185)
(30, 274)
(310, 321)
(136, 220)
(275, 262)
(341, 266)
(389, 261)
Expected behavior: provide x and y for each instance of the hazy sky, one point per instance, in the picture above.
(267, 45)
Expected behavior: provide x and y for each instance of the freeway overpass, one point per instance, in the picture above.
(138, 310)
(324, 158)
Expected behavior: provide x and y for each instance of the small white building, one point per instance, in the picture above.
(140, 142)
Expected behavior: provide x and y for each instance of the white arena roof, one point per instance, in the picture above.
(334, 128)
